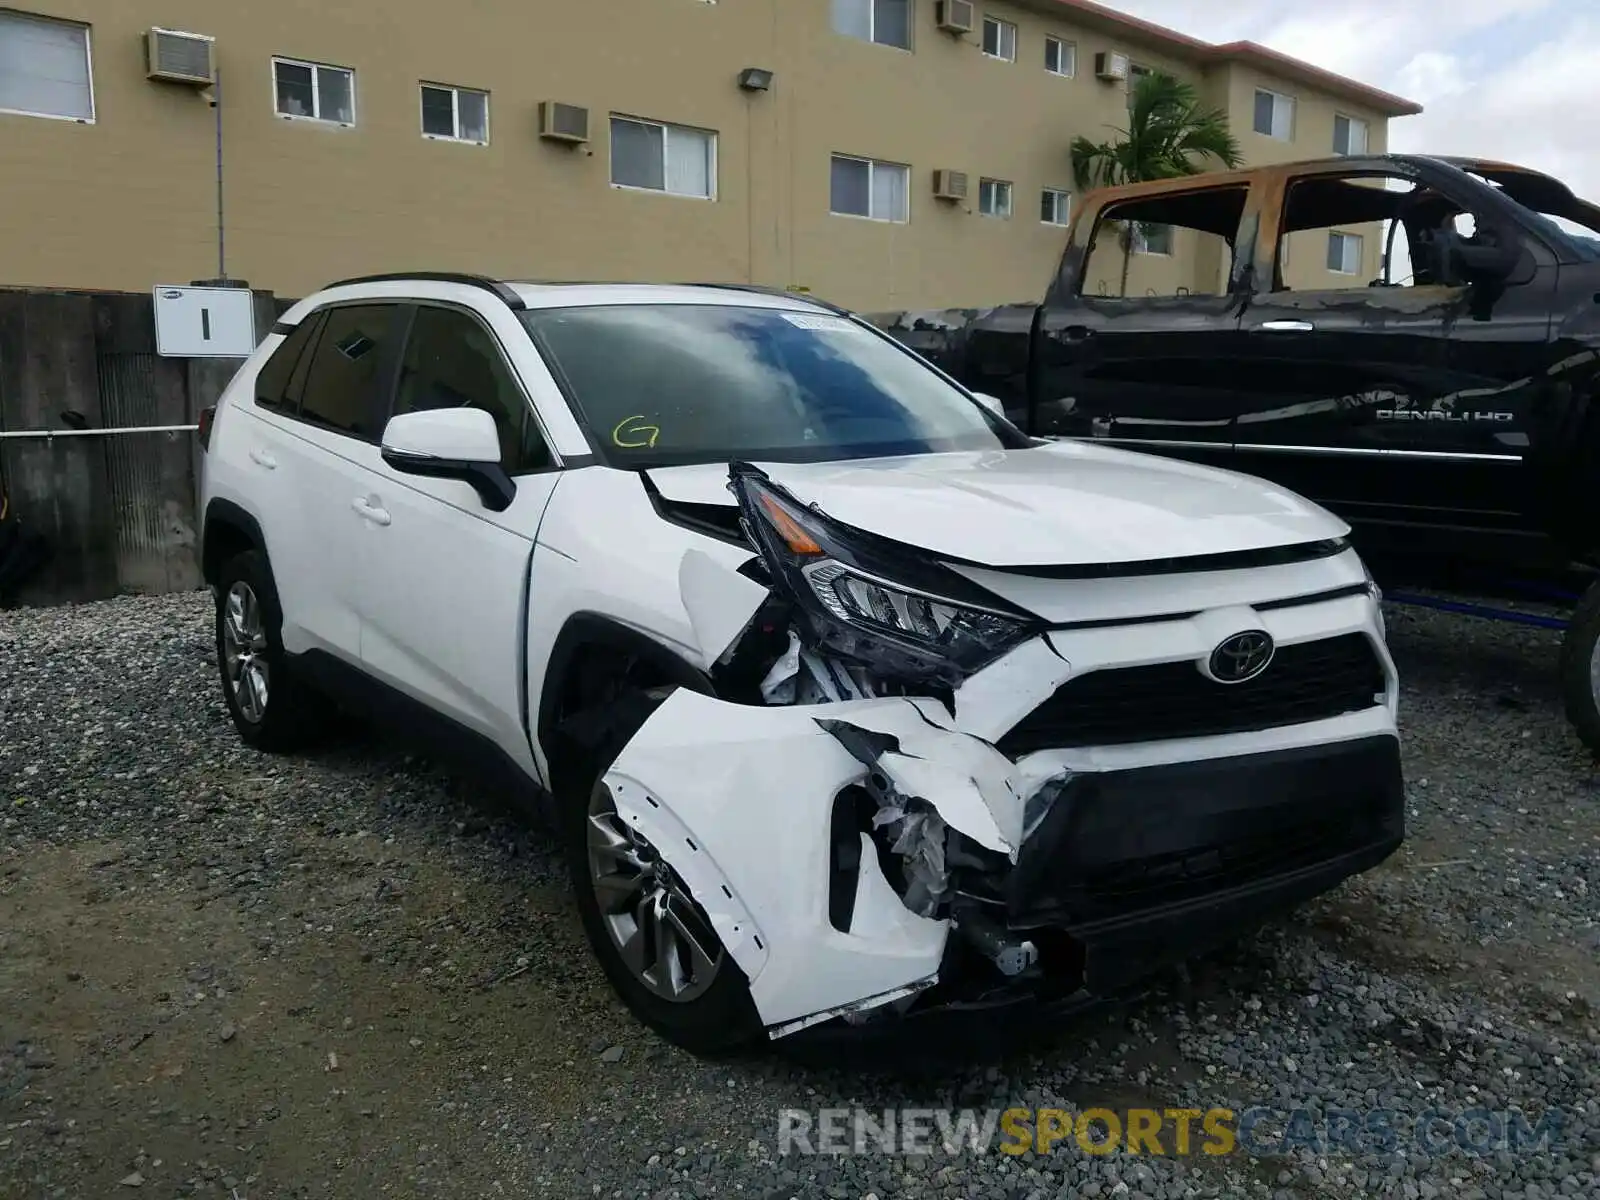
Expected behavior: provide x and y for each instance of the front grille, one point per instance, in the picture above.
(1310, 681)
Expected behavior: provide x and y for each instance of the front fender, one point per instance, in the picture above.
(739, 801)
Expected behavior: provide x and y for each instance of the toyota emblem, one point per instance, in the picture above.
(1241, 657)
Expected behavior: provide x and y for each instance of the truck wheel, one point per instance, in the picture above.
(1580, 669)
(654, 941)
(272, 709)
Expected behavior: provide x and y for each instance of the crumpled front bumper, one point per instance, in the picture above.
(758, 810)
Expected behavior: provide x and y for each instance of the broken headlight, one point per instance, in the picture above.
(965, 634)
(886, 606)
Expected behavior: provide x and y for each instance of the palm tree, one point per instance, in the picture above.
(1169, 134)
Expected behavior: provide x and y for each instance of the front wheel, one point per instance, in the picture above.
(654, 941)
(1580, 669)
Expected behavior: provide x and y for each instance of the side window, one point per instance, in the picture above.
(453, 361)
(1366, 230)
(1165, 245)
(340, 390)
(273, 381)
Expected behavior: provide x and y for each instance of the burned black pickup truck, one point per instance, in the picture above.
(1411, 341)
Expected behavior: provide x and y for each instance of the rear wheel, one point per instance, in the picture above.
(1580, 669)
(272, 708)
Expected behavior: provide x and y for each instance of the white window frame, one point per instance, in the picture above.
(455, 113)
(1351, 123)
(316, 91)
(872, 27)
(1000, 27)
(1066, 54)
(1277, 98)
(666, 128)
(88, 66)
(1063, 200)
(997, 188)
(1347, 239)
(1139, 245)
(873, 165)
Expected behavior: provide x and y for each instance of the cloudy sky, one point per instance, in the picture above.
(1511, 79)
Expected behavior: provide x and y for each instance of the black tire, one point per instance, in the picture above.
(294, 713)
(1578, 671)
(721, 1022)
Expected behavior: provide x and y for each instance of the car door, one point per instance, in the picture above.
(1352, 385)
(444, 586)
(1132, 347)
(314, 442)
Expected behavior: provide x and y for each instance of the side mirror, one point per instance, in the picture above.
(990, 403)
(451, 443)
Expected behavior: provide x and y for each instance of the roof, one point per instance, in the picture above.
(1109, 20)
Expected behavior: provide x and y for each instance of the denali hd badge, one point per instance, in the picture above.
(1435, 414)
(1241, 658)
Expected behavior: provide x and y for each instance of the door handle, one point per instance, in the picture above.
(262, 459)
(1286, 326)
(1076, 333)
(369, 511)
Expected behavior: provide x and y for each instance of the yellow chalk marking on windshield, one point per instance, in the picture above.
(648, 434)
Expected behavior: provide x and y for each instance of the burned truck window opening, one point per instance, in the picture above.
(1177, 245)
(661, 385)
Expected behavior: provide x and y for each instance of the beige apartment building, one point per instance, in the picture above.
(789, 143)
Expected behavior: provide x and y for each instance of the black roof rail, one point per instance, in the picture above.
(508, 295)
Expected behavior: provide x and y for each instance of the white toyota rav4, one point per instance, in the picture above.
(852, 702)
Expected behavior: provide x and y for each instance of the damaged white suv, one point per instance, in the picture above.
(853, 702)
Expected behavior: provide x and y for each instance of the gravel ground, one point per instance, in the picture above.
(347, 976)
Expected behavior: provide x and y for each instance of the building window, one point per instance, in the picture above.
(1344, 253)
(994, 198)
(1349, 135)
(455, 114)
(999, 39)
(1060, 58)
(45, 68)
(1055, 206)
(1151, 239)
(663, 158)
(1274, 115)
(1136, 72)
(314, 91)
(887, 22)
(864, 187)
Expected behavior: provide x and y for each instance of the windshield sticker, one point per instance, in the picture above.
(822, 324)
(630, 436)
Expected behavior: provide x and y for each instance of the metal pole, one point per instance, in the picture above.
(222, 245)
(52, 434)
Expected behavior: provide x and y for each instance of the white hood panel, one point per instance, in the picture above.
(1054, 505)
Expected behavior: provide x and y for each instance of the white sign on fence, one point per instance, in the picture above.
(205, 322)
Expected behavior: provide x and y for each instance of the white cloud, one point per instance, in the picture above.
(1512, 79)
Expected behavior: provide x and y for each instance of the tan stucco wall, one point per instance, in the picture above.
(129, 201)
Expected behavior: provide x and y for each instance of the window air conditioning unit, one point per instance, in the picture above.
(954, 16)
(1110, 65)
(563, 122)
(950, 185)
(176, 57)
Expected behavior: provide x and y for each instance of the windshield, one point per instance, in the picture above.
(666, 384)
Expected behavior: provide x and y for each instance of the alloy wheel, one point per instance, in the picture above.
(652, 920)
(244, 651)
(1594, 674)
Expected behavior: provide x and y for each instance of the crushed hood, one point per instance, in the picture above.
(1058, 504)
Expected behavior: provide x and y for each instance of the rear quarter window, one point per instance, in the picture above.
(273, 381)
